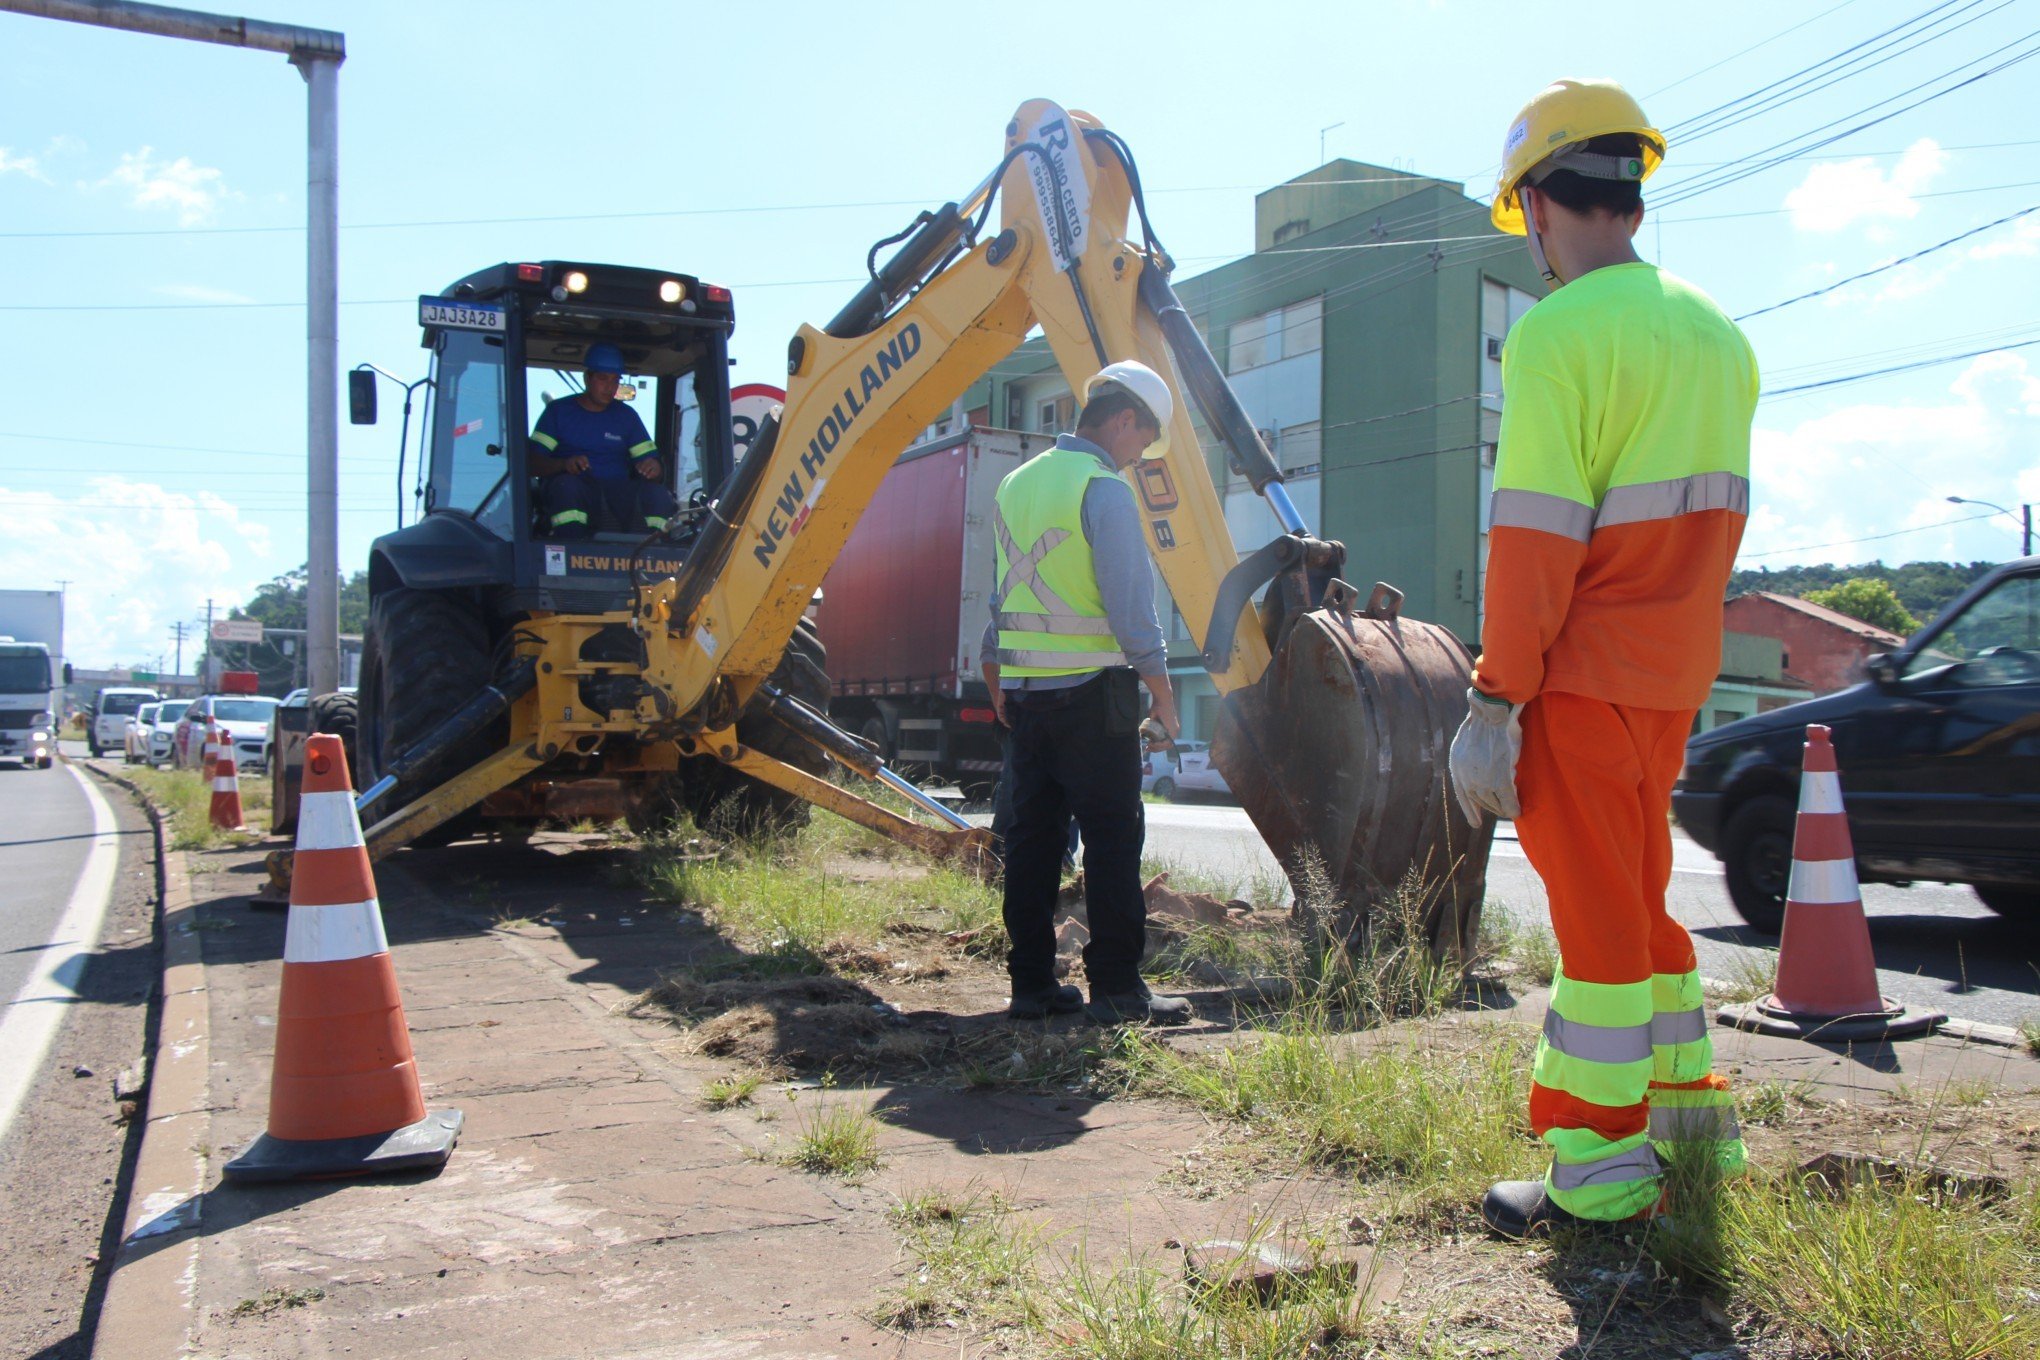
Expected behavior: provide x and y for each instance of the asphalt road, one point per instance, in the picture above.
(58, 851)
(1937, 946)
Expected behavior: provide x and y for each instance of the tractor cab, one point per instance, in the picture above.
(509, 339)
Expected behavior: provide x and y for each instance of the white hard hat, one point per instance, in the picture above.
(1137, 378)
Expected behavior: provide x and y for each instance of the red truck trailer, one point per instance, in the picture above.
(905, 606)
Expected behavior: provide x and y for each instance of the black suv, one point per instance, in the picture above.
(1940, 759)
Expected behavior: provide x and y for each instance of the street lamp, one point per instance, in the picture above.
(2025, 518)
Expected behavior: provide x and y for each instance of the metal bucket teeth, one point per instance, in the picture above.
(1338, 754)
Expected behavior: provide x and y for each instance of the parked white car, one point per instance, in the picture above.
(135, 740)
(1185, 769)
(245, 719)
(163, 732)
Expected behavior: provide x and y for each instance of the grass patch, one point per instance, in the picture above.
(1768, 1104)
(2029, 1034)
(835, 1141)
(1430, 1122)
(969, 1263)
(725, 1093)
(1527, 947)
(1750, 977)
(185, 801)
(276, 1301)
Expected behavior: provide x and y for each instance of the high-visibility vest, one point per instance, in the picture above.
(1051, 616)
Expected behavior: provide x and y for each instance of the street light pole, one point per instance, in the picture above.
(2025, 518)
(317, 53)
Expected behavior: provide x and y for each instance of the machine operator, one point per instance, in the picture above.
(600, 468)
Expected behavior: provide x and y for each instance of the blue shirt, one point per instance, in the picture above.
(611, 438)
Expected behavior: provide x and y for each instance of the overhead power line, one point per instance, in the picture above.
(1921, 253)
(1866, 538)
(1895, 368)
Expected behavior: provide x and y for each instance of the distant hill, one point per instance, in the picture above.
(1924, 587)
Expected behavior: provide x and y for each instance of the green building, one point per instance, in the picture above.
(1364, 337)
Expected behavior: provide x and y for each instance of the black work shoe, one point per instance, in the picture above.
(1522, 1209)
(1038, 1003)
(1138, 1007)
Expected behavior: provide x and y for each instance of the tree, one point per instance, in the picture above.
(1924, 588)
(280, 603)
(1874, 602)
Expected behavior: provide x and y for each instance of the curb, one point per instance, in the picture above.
(149, 1308)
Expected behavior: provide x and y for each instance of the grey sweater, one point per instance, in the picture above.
(1126, 579)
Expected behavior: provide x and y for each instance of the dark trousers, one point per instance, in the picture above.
(1076, 753)
(611, 506)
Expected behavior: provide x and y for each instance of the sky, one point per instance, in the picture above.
(152, 206)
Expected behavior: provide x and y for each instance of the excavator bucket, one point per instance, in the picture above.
(1338, 753)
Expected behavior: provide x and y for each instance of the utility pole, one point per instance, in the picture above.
(205, 650)
(317, 53)
(179, 630)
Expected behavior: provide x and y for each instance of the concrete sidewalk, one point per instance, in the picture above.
(594, 1206)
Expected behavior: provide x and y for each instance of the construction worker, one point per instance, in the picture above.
(599, 465)
(1621, 489)
(1073, 624)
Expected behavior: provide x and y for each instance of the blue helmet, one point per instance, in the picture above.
(605, 359)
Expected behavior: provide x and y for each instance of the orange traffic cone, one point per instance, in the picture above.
(343, 1091)
(1826, 987)
(226, 795)
(211, 750)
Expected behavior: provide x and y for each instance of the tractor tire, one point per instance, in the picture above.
(339, 715)
(423, 656)
(725, 800)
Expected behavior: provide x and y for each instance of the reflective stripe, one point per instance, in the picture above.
(353, 930)
(1025, 568)
(1537, 510)
(1674, 991)
(1598, 1043)
(1679, 496)
(1819, 791)
(544, 441)
(656, 521)
(640, 450)
(1693, 1123)
(1678, 1027)
(327, 821)
(1051, 623)
(225, 784)
(1823, 882)
(1013, 656)
(570, 517)
(1639, 1163)
(1602, 1003)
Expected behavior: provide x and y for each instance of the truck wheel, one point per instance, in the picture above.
(1756, 852)
(424, 655)
(2008, 901)
(721, 798)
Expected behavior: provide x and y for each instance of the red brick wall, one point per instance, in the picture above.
(1824, 656)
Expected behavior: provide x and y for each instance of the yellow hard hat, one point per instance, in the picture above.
(1564, 114)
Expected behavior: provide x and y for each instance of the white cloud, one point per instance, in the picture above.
(1873, 467)
(138, 558)
(17, 163)
(2022, 239)
(198, 292)
(191, 191)
(1838, 194)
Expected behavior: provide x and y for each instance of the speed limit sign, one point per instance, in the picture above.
(749, 405)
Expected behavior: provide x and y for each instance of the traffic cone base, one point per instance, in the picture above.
(1826, 989)
(415, 1147)
(344, 1098)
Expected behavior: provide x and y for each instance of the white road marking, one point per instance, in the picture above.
(32, 1017)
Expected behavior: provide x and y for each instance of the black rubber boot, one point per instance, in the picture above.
(1038, 1003)
(1139, 1007)
(1520, 1209)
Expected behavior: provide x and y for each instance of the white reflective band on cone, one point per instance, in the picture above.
(1823, 882)
(352, 930)
(222, 784)
(326, 821)
(1820, 791)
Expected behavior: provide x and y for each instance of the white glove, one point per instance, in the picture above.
(1484, 756)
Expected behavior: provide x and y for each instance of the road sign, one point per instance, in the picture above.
(237, 630)
(749, 405)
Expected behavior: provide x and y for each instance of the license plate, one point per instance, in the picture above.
(459, 316)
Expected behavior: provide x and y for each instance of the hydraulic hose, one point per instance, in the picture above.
(1213, 394)
(470, 718)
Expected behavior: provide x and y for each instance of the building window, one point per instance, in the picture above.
(1501, 307)
(1300, 448)
(1281, 334)
(1056, 415)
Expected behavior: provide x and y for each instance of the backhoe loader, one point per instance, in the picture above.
(1336, 711)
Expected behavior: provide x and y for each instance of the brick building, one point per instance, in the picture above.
(1823, 648)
